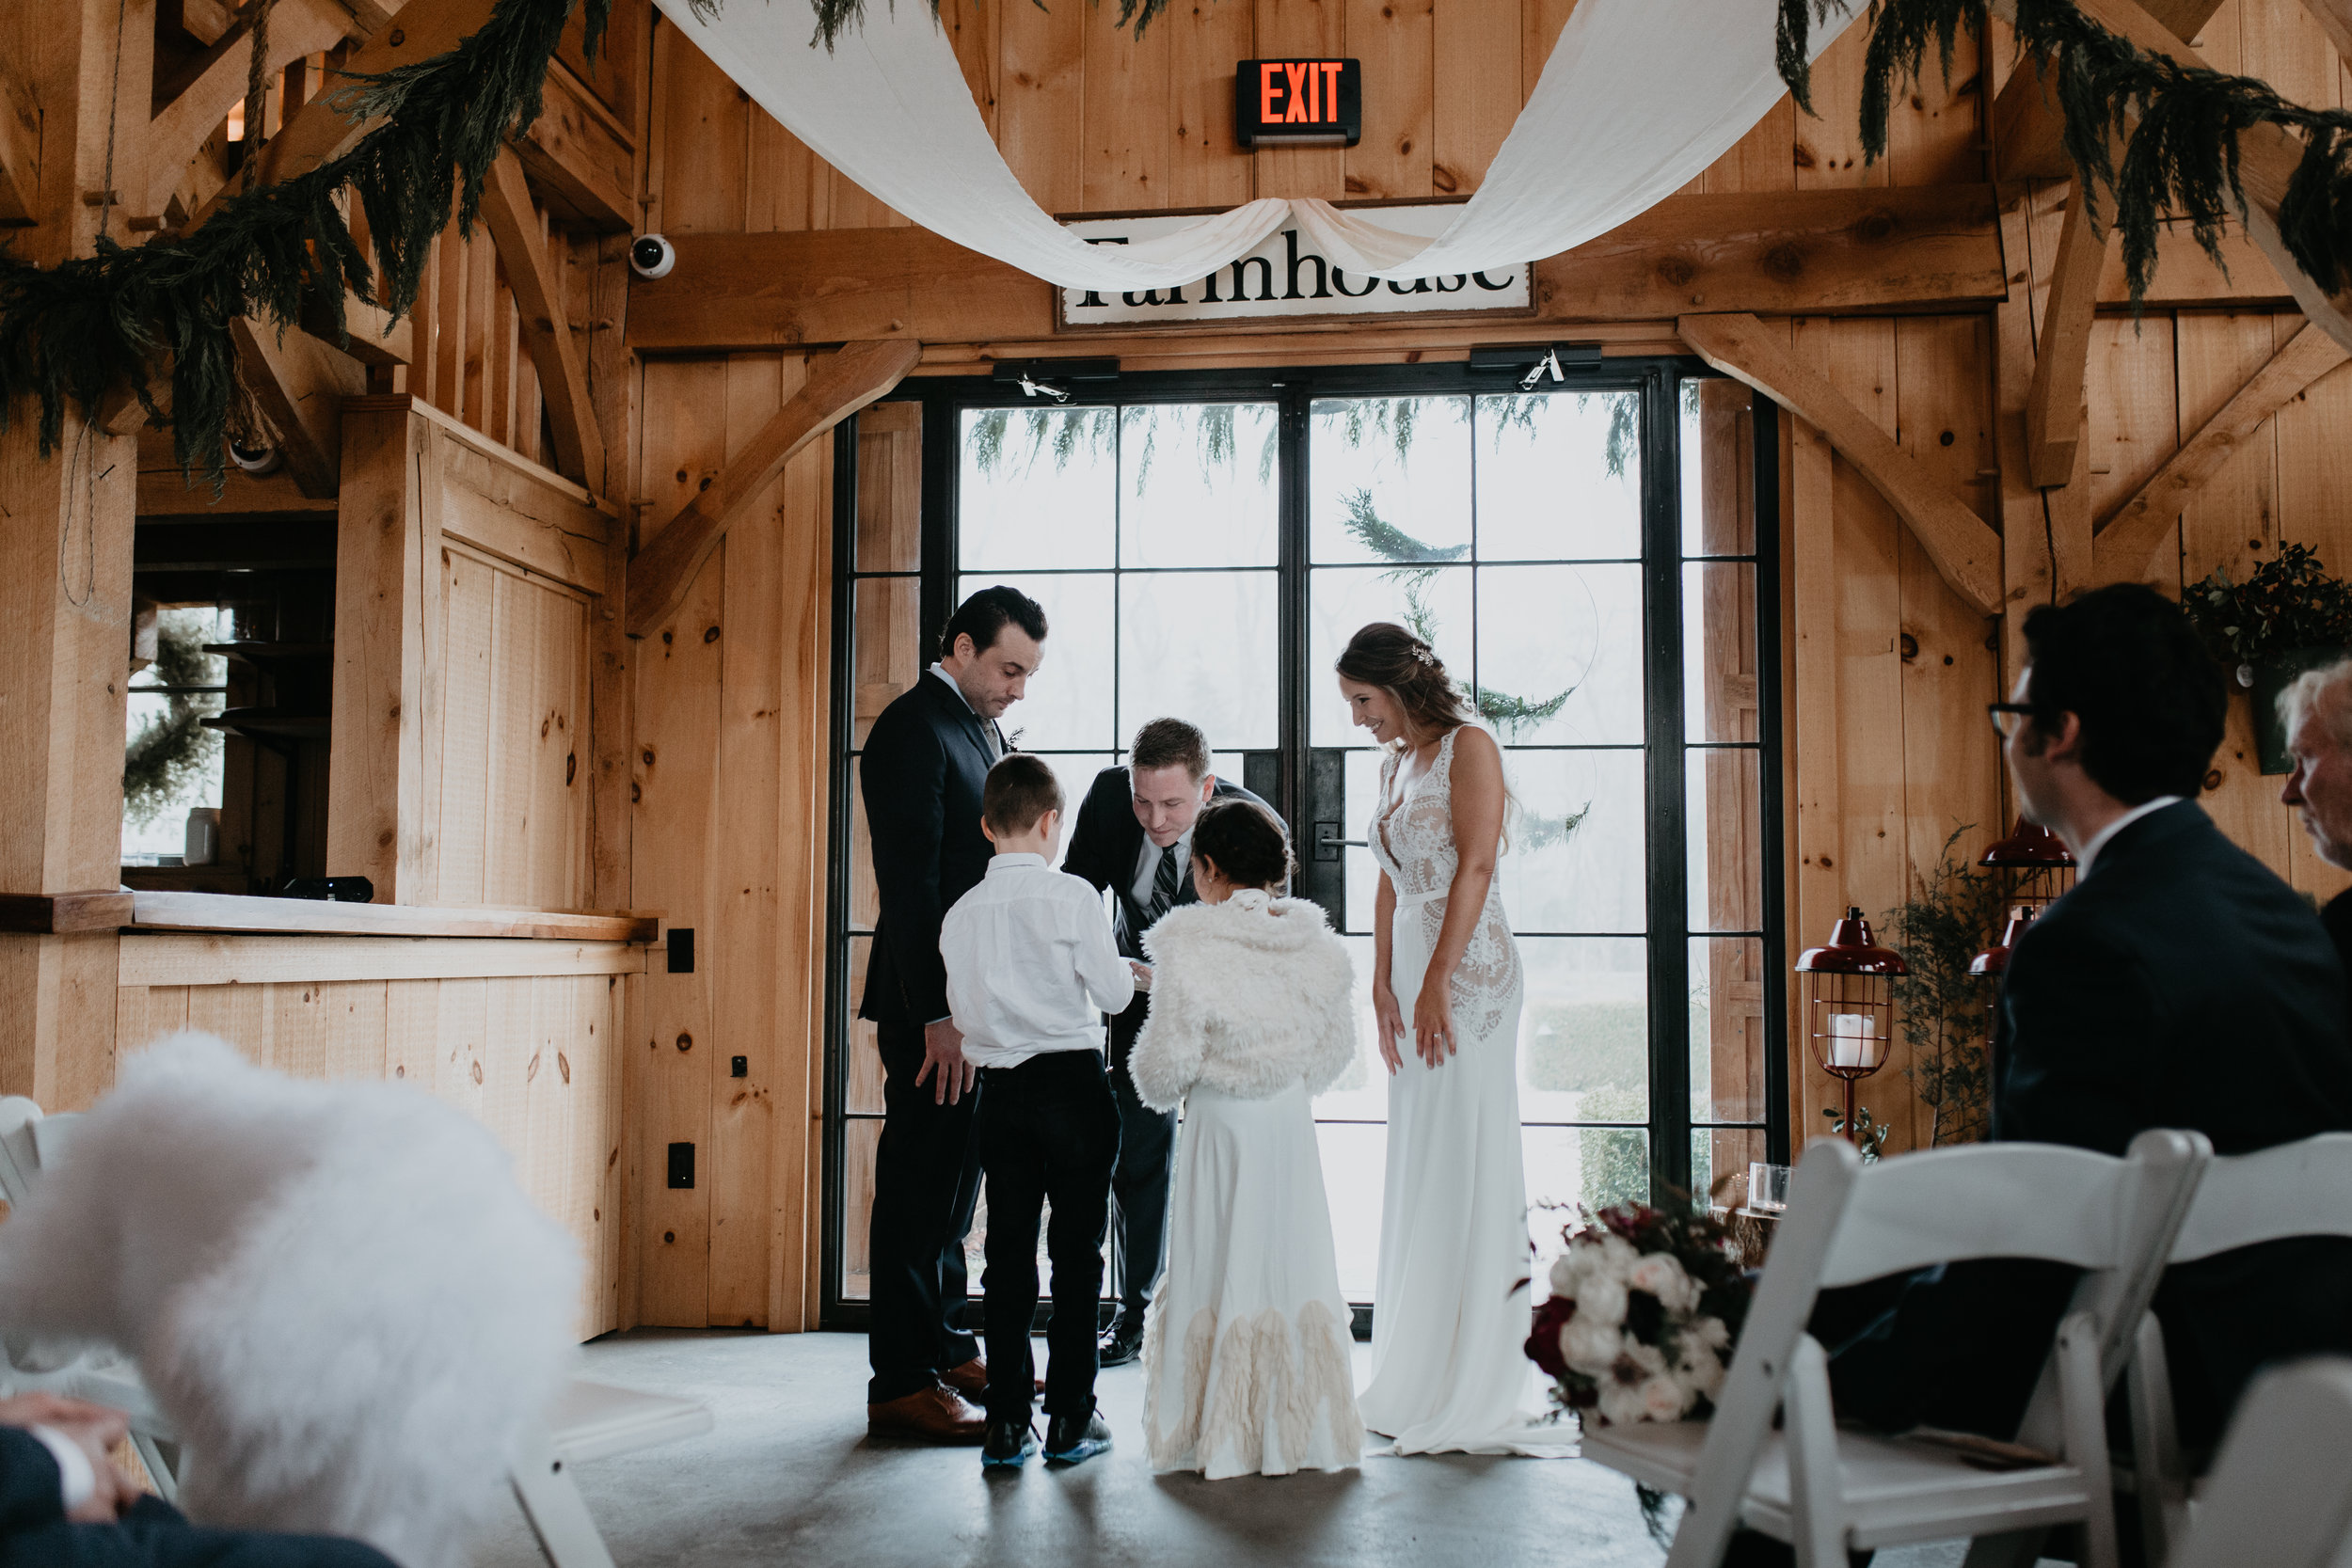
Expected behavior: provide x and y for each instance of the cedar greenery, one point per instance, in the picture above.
(78, 331)
(2182, 157)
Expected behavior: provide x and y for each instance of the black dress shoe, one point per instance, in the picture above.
(1123, 1342)
(1069, 1439)
(1009, 1443)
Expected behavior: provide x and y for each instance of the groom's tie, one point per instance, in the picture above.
(1163, 887)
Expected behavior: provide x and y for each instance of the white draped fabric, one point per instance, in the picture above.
(1638, 98)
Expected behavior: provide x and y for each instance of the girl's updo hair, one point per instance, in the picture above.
(1387, 655)
(1245, 842)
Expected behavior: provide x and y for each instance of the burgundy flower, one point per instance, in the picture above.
(1543, 1346)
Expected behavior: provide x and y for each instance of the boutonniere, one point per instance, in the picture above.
(1013, 741)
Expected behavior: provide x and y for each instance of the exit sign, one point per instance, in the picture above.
(1298, 101)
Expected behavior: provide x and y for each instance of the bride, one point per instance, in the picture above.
(1450, 1312)
(1246, 1352)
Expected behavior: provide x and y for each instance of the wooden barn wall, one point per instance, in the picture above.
(534, 1056)
(729, 836)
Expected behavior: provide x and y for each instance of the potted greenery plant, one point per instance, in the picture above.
(2288, 616)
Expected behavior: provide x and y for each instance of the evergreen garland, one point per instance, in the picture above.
(2181, 157)
(93, 323)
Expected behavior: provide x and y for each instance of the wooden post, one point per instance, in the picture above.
(388, 623)
(65, 580)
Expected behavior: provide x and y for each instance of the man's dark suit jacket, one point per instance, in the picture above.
(2180, 984)
(1107, 841)
(150, 1535)
(925, 766)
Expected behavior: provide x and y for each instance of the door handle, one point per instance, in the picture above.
(1329, 843)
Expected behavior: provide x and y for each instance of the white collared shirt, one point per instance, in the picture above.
(1031, 963)
(1147, 865)
(2099, 840)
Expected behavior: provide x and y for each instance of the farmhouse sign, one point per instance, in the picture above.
(1298, 101)
(1286, 277)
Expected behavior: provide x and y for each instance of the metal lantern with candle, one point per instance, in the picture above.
(1850, 1003)
(2034, 866)
(1991, 964)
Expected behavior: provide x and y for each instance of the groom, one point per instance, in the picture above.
(921, 778)
(1133, 836)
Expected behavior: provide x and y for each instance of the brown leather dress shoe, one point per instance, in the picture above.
(971, 1379)
(934, 1414)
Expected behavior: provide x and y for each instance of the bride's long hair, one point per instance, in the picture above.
(1409, 671)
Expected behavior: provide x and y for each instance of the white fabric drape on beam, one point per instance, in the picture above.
(1638, 97)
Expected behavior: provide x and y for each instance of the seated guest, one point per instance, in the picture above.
(62, 1501)
(2317, 712)
(2179, 984)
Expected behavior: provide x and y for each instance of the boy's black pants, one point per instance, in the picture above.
(1048, 1132)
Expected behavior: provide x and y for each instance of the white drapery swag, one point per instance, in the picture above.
(1638, 98)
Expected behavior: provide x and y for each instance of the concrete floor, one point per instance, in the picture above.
(787, 1476)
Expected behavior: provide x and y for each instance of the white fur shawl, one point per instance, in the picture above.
(1247, 997)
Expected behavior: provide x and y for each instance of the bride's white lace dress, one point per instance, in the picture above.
(1449, 1366)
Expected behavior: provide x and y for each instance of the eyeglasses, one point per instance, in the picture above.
(2007, 717)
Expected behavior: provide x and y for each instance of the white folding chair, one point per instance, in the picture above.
(2280, 1493)
(589, 1420)
(2297, 1189)
(1822, 1489)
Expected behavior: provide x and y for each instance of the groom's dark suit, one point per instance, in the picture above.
(1105, 847)
(2180, 984)
(921, 778)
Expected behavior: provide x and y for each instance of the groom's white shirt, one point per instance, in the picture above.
(2105, 835)
(1031, 963)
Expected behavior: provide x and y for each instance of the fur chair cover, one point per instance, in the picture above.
(336, 1293)
(1247, 997)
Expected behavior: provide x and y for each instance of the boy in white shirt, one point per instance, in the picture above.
(1031, 968)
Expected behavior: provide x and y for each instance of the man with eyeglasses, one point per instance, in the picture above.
(2181, 982)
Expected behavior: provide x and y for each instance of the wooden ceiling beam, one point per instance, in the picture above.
(317, 133)
(2054, 408)
(2028, 133)
(514, 225)
(296, 27)
(300, 384)
(838, 386)
(1817, 252)
(1965, 550)
(2127, 535)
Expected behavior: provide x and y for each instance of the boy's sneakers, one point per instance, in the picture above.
(1069, 1439)
(1009, 1443)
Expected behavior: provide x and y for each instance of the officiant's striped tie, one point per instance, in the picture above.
(1163, 887)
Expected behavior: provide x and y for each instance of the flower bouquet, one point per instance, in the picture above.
(1645, 1304)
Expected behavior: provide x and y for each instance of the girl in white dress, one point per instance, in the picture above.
(1451, 1314)
(1246, 1352)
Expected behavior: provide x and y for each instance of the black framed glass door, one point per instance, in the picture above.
(1596, 560)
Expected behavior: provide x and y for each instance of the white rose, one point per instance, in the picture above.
(1564, 1276)
(1700, 1371)
(1621, 1403)
(1619, 1253)
(1601, 1298)
(1711, 1332)
(1660, 1274)
(1663, 1400)
(1589, 1347)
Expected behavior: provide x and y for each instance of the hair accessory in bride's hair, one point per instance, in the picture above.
(1420, 651)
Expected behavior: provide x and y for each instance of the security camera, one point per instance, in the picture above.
(256, 461)
(651, 256)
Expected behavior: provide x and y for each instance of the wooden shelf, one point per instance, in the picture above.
(139, 911)
(222, 912)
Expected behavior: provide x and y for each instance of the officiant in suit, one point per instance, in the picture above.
(925, 764)
(2181, 982)
(1133, 836)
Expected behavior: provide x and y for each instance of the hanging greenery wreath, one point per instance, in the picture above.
(2181, 158)
(78, 331)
